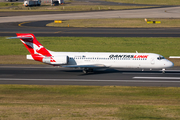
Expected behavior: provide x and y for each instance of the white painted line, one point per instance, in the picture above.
(168, 78)
(174, 56)
(140, 73)
(86, 80)
(172, 70)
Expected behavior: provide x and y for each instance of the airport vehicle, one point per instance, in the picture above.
(57, 2)
(90, 60)
(32, 3)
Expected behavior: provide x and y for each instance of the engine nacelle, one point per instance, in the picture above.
(56, 60)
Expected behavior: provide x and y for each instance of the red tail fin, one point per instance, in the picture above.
(37, 51)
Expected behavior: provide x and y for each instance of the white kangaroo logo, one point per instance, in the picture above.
(34, 46)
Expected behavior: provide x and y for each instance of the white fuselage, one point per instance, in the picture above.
(116, 60)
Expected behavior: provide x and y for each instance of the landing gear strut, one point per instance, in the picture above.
(86, 70)
(163, 70)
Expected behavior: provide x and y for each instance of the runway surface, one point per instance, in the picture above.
(9, 25)
(168, 12)
(39, 29)
(46, 75)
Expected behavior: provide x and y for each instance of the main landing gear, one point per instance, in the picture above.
(86, 70)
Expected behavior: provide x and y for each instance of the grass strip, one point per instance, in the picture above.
(165, 46)
(13, 51)
(89, 102)
(5, 4)
(151, 2)
(117, 23)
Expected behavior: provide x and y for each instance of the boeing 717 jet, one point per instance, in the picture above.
(88, 61)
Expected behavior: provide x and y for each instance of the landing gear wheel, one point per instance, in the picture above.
(90, 70)
(163, 70)
(85, 71)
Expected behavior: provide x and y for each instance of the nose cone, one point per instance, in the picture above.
(169, 64)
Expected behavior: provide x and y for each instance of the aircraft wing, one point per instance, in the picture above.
(85, 66)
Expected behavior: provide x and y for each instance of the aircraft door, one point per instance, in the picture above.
(152, 61)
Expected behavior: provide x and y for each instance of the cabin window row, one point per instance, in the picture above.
(109, 58)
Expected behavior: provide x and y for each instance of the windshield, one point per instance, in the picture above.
(160, 58)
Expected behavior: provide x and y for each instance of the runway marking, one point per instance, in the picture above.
(168, 78)
(22, 23)
(140, 73)
(84, 80)
(58, 32)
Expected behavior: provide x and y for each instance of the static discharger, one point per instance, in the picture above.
(57, 21)
(152, 22)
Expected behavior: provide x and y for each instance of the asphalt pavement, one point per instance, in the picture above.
(168, 12)
(39, 29)
(47, 75)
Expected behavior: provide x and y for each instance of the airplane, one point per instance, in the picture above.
(87, 61)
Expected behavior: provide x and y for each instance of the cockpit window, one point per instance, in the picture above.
(160, 58)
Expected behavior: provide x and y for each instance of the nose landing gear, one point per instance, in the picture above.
(163, 70)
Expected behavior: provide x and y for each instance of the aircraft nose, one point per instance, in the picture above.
(169, 64)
